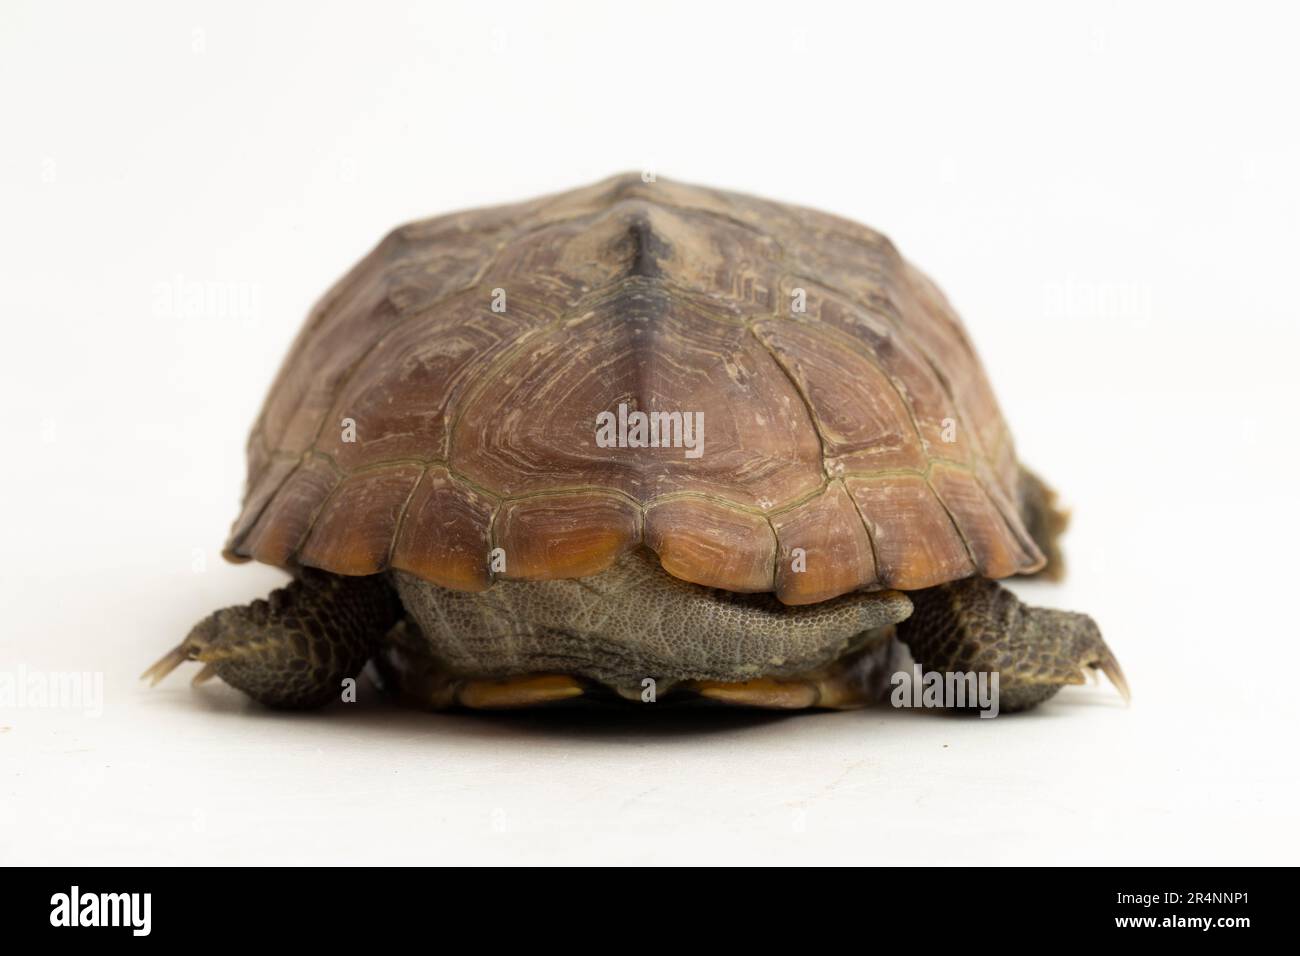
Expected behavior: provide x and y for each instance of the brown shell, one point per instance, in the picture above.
(860, 429)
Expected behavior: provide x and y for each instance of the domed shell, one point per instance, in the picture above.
(447, 397)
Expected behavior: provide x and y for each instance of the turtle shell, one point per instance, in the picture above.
(443, 401)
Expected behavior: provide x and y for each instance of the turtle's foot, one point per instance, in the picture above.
(976, 625)
(294, 649)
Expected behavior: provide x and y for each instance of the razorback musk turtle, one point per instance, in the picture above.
(640, 434)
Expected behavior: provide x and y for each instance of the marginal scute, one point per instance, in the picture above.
(526, 691)
(443, 536)
(823, 549)
(761, 692)
(565, 536)
(262, 485)
(1011, 510)
(354, 530)
(860, 427)
(916, 543)
(708, 543)
(1005, 468)
(996, 553)
(279, 531)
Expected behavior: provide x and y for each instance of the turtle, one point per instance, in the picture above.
(635, 441)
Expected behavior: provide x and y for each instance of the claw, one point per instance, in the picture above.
(200, 637)
(1110, 667)
(208, 672)
(173, 659)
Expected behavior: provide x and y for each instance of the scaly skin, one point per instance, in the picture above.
(976, 625)
(294, 649)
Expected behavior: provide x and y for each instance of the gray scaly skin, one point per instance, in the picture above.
(294, 649)
(976, 625)
(635, 620)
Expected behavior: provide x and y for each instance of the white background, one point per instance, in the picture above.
(1107, 193)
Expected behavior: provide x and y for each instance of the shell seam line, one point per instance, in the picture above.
(262, 510)
(798, 390)
(337, 292)
(871, 538)
(403, 318)
(658, 500)
(401, 517)
(888, 316)
(956, 526)
(834, 338)
(512, 237)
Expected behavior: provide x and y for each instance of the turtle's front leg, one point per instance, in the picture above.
(293, 649)
(976, 625)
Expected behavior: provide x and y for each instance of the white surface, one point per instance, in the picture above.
(1108, 197)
